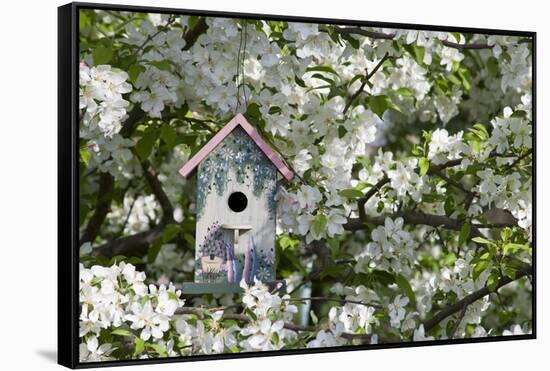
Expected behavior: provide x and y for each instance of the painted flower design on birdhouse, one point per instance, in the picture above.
(213, 253)
(236, 208)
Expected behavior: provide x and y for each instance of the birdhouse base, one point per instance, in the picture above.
(196, 288)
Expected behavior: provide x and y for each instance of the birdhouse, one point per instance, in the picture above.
(237, 178)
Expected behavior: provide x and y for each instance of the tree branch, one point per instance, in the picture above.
(454, 183)
(472, 46)
(374, 189)
(138, 244)
(121, 232)
(411, 217)
(458, 320)
(385, 36)
(160, 195)
(150, 38)
(338, 300)
(459, 305)
(283, 157)
(367, 77)
(134, 245)
(106, 184)
(199, 312)
(360, 31)
(193, 34)
(200, 122)
(518, 159)
(102, 208)
(134, 117)
(371, 192)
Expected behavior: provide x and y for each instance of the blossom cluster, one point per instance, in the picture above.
(345, 112)
(392, 248)
(116, 301)
(101, 103)
(269, 311)
(117, 297)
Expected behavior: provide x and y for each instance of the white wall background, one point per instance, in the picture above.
(28, 182)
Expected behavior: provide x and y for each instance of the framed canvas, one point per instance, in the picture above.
(238, 185)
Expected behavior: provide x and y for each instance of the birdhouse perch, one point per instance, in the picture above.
(236, 209)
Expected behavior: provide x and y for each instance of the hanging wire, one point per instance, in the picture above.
(243, 59)
(238, 74)
(240, 77)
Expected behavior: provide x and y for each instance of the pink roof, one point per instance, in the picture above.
(238, 120)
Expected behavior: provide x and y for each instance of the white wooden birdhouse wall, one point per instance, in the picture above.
(236, 206)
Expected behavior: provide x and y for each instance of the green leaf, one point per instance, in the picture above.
(443, 85)
(300, 82)
(383, 277)
(319, 224)
(126, 61)
(140, 345)
(492, 248)
(423, 165)
(492, 280)
(464, 233)
(193, 19)
(168, 135)
(404, 92)
(509, 272)
(417, 52)
(332, 271)
(170, 231)
(449, 205)
(364, 161)
(85, 155)
(134, 71)
(334, 245)
(285, 241)
(455, 80)
(275, 338)
(378, 104)
(519, 113)
(506, 233)
(157, 348)
(250, 314)
(492, 66)
(322, 69)
(102, 55)
(485, 256)
(164, 65)
(512, 248)
(351, 193)
(292, 258)
(479, 268)
(154, 250)
(144, 146)
(342, 131)
(481, 240)
(466, 78)
(405, 287)
(323, 78)
(314, 318)
(480, 131)
(362, 185)
(122, 332)
(456, 35)
(450, 259)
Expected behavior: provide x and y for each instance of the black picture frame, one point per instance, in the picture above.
(68, 202)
